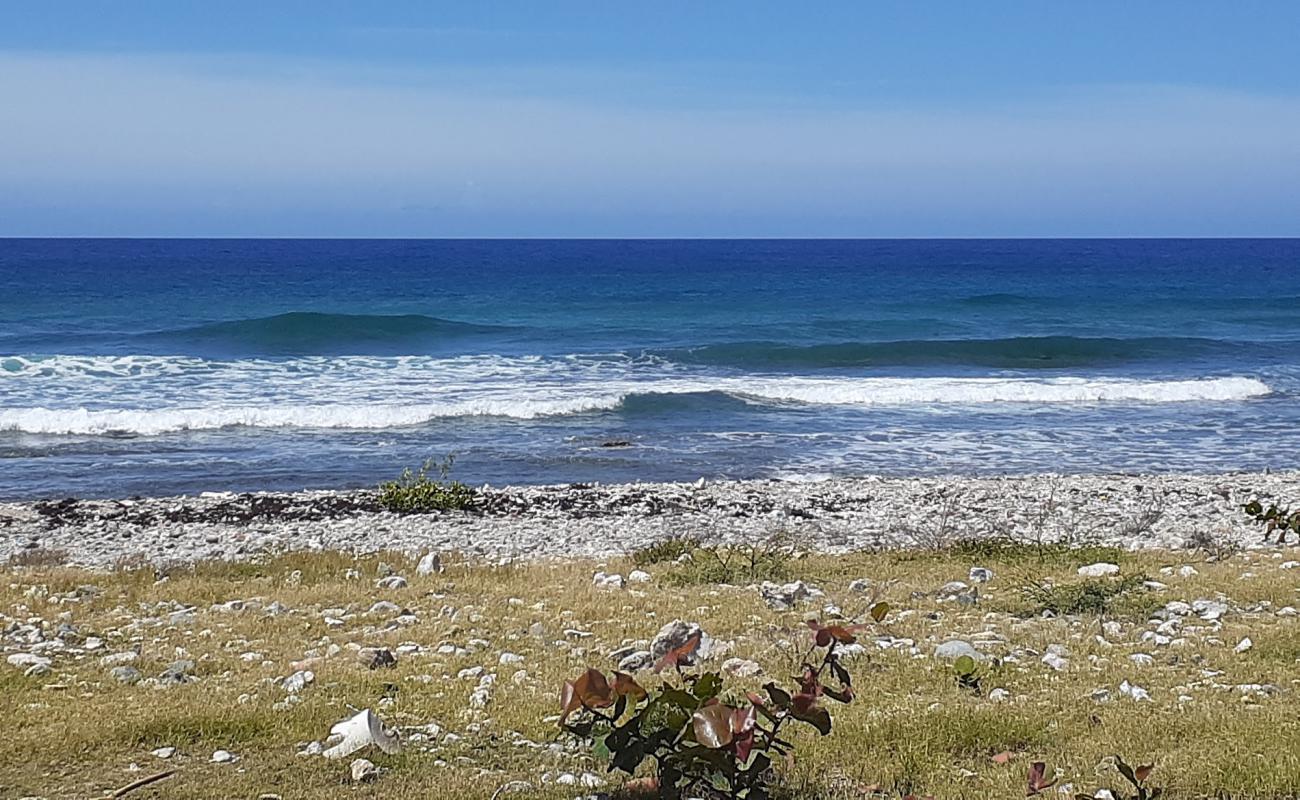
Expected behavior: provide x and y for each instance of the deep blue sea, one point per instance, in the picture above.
(177, 366)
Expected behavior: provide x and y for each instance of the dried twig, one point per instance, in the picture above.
(131, 787)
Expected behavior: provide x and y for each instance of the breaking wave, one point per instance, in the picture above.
(1021, 352)
(523, 402)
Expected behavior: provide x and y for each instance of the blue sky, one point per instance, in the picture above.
(666, 119)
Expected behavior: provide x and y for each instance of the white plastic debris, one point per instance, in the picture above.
(359, 732)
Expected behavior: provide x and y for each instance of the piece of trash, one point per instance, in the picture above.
(359, 732)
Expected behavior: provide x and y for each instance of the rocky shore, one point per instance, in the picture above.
(1133, 511)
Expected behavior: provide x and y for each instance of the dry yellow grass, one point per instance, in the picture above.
(78, 733)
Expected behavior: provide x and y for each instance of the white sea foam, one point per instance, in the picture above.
(403, 399)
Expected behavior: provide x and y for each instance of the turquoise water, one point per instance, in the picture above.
(160, 366)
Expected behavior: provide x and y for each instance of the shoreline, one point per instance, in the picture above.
(1164, 511)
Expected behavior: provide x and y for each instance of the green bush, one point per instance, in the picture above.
(665, 550)
(417, 493)
(735, 564)
(1123, 595)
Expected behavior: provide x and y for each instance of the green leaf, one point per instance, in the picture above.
(679, 698)
(879, 611)
(600, 747)
(629, 758)
(708, 686)
(780, 697)
(964, 665)
(1126, 771)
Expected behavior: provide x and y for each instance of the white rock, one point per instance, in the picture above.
(676, 634)
(1289, 565)
(999, 695)
(783, 597)
(429, 565)
(1137, 693)
(25, 661)
(119, 659)
(1142, 659)
(163, 752)
(391, 582)
(954, 649)
(1056, 662)
(638, 576)
(1099, 570)
(980, 575)
(952, 588)
(224, 757)
(510, 658)
(1210, 610)
(741, 667)
(1244, 645)
(602, 581)
(1187, 571)
(298, 681)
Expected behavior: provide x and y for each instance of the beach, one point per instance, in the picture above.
(1166, 511)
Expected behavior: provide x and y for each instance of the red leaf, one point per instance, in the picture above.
(803, 706)
(626, 686)
(742, 746)
(743, 720)
(712, 724)
(1038, 779)
(1143, 772)
(823, 635)
(680, 655)
(569, 701)
(592, 690)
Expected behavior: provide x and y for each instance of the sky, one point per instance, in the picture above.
(609, 119)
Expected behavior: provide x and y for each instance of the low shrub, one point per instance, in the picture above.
(1099, 596)
(417, 493)
(702, 740)
(1273, 519)
(666, 550)
(770, 560)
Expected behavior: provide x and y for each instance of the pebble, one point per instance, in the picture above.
(980, 575)
(224, 757)
(842, 514)
(1101, 569)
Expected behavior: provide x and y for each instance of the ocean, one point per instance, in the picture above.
(148, 367)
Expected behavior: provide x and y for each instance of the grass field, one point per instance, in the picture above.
(1219, 723)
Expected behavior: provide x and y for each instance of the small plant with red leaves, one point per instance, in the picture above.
(1137, 778)
(701, 741)
(1273, 518)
